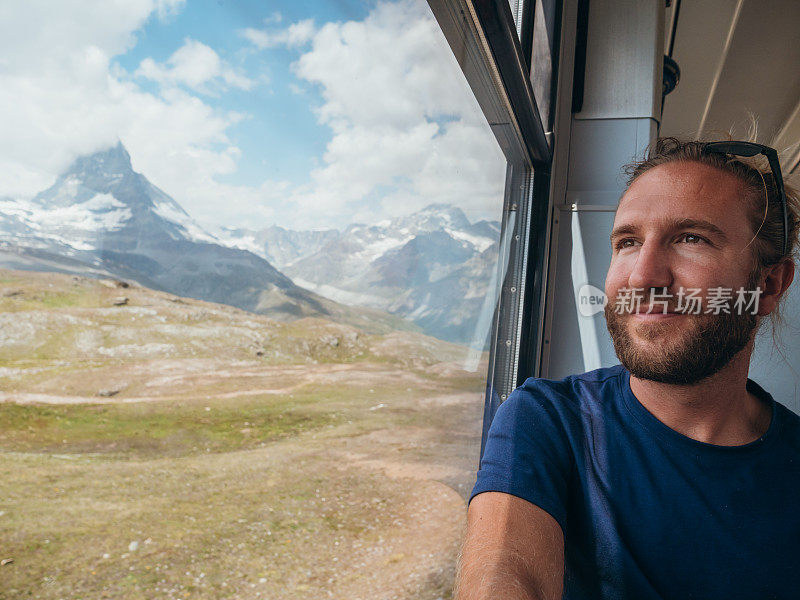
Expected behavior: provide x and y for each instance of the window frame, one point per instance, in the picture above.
(495, 54)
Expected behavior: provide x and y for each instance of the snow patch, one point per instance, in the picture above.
(245, 242)
(481, 243)
(102, 212)
(174, 214)
(379, 247)
(342, 296)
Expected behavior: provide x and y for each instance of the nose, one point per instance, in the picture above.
(652, 268)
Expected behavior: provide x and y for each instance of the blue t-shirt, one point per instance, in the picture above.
(646, 511)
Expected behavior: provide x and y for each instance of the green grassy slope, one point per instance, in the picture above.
(174, 448)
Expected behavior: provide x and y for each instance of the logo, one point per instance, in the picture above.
(591, 300)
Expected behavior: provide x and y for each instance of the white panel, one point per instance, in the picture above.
(598, 150)
(738, 60)
(760, 75)
(703, 29)
(624, 65)
(600, 147)
(579, 343)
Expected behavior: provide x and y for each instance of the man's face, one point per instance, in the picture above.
(679, 226)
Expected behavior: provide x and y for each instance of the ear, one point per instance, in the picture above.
(775, 281)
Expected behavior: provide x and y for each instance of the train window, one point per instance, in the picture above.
(250, 259)
(266, 269)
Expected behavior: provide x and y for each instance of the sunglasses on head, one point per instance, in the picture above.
(751, 149)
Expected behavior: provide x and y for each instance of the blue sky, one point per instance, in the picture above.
(303, 114)
(281, 138)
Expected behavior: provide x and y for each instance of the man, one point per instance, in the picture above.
(671, 475)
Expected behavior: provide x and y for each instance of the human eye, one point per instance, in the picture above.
(623, 243)
(691, 238)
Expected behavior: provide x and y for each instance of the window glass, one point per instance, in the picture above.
(248, 267)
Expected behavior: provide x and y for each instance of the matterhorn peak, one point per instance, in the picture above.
(109, 161)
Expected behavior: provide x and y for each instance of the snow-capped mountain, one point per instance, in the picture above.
(433, 267)
(281, 247)
(101, 217)
(99, 200)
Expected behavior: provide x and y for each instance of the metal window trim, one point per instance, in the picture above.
(484, 39)
(573, 28)
(499, 29)
(547, 187)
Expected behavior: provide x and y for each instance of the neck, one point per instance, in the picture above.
(717, 410)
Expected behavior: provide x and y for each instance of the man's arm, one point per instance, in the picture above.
(513, 550)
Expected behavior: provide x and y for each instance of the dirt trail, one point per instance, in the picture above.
(186, 377)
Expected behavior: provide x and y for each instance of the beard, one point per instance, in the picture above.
(700, 346)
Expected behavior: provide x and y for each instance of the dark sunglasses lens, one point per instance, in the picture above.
(739, 148)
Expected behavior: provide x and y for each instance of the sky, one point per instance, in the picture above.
(306, 114)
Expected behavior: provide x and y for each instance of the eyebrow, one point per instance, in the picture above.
(697, 224)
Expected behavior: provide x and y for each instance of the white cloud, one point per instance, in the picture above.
(407, 131)
(297, 34)
(61, 97)
(35, 33)
(196, 66)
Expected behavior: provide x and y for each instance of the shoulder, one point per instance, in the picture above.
(790, 426)
(534, 437)
(788, 422)
(558, 413)
(566, 398)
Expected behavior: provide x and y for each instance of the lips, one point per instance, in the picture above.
(653, 318)
(656, 315)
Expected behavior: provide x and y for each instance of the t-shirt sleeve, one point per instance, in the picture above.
(527, 454)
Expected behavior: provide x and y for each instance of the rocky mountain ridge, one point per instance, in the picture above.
(433, 267)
